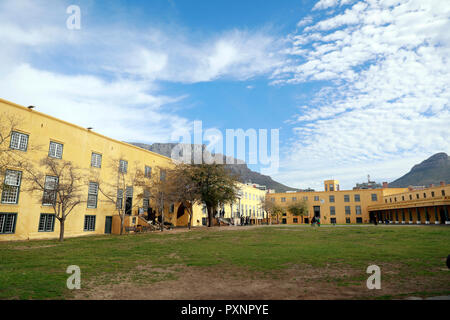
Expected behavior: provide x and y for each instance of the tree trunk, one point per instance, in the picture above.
(210, 215)
(122, 221)
(190, 218)
(162, 220)
(61, 230)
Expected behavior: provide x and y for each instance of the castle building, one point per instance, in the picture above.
(414, 206)
(333, 206)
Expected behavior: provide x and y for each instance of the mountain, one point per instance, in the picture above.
(431, 171)
(238, 167)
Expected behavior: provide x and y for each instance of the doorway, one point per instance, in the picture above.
(317, 211)
(108, 225)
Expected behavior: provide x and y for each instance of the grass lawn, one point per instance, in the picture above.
(270, 262)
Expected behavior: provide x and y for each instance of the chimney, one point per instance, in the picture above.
(442, 183)
(431, 185)
(410, 188)
(385, 185)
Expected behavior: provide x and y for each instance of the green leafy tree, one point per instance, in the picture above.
(299, 208)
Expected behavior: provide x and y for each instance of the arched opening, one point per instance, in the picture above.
(182, 216)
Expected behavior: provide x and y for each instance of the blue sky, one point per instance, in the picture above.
(355, 87)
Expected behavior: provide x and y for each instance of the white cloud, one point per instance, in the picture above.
(387, 65)
(107, 77)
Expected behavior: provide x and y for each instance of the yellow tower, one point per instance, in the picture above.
(331, 185)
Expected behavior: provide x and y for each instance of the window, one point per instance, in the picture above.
(385, 200)
(146, 199)
(358, 209)
(417, 196)
(283, 199)
(332, 210)
(11, 187)
(96, 160)
(410, 197)
(47, 222)
(148, 172)
(55, 150)
(316, 198)
(50, 186)
(19, 141)
(357, 198)
(374, 197)
(89, 223)
(395, 199)
(358, 220)
(92, 195)
(172, 208)
(123, 166)
(272, 199)
(443, 193)
(331, 198)
(326, 187)
(295, 220)
(305, 198)
(347, 210)
(162, 175)
(424, 195)
(333, 220)
(347, 220)
(346, 198)
(432, 193)
(403, 198)
(331, 187)
(294, 198)
(8, 222)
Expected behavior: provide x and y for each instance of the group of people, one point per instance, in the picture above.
(315, 220)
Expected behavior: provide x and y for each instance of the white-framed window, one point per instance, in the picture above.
(96, 160)
(119, 202)
(89, 223)
(332, 210)
(50, 187)
(55, 150)
(123, 166)
(92, 195)
(374, 197)
(358, 209)
(148, 172)
(357, 198)
(19, 141)
(11, 188)
(7, 222)
(46, 222)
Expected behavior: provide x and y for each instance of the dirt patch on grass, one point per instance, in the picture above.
(234, 283)
(33, 247)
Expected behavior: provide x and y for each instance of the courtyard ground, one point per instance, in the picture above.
(267, 262)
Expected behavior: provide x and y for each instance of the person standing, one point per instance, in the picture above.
(318, 221)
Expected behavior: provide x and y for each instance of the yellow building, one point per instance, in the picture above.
(248, 208)
(332, 205)
(414, 206)
(24, 216)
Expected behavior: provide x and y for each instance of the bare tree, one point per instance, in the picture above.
(120, 187)
(14, 146)
(61, 185)
(162, 190)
